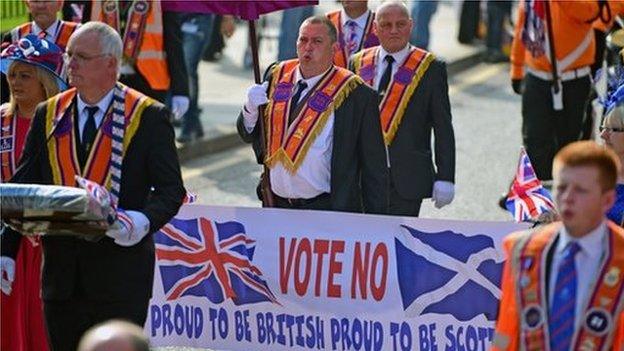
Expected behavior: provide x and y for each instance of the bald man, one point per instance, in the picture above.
(401, 72)
(114, 335)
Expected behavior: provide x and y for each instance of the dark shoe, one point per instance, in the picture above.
(496, 57)
(502, 202)
(187, 137)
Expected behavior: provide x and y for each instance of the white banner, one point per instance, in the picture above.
(268, 279)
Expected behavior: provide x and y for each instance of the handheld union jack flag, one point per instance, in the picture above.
(199, 257)
(527, 198)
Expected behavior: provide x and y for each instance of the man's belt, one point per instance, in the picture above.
(564, 76)
(301, 202)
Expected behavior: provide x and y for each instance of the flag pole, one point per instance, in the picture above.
(265, 185)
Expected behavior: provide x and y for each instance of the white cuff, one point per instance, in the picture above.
(250, 118)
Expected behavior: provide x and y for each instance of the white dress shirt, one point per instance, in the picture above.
(51, 31)
(83, 114)
(359, 29)
(399, 58)
(587, 262)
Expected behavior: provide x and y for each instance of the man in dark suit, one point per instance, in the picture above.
(324, 147)
(562, 283)
(413, 102)
(124, 141)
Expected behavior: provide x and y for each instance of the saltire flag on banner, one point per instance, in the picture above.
(203, 258)
(527, 198)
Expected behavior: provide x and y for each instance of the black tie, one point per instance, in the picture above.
(294, 102)
(385, 79)
(88, 133)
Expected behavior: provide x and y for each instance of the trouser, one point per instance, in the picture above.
(68, 320)
(422, 12)
(544, 130)
(400, 206)
(197, 30)
(497, 11)
(137, 82)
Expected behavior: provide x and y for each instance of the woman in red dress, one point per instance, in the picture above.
(33, 67)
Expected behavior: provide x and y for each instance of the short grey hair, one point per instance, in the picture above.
(110, 41)
(320, 19)
(393, 3)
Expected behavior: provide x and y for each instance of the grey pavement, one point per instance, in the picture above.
(223, 84)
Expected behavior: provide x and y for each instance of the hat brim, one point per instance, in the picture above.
(5, 63)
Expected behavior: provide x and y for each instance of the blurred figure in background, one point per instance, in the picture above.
(153, 54)
(422, 12)
(291, 19)
(497, 12)
(196, 34)
(33, 68)
(354, 24)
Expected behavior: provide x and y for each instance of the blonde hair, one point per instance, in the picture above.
(46, 79)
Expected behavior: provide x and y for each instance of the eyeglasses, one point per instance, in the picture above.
(611, 130)
(79, 58)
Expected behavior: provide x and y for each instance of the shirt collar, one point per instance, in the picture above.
(591, 244)
(51, 30)
(312, 80)
(399, 56)
(361, 21)
(102, 104)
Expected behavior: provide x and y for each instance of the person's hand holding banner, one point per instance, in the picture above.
(7, 274)
(129, 228)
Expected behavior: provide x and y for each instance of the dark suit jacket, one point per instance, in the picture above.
(412, 171)
(104, 270)
(359, 177)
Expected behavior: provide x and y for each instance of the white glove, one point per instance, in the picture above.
(7, 269)
(179, 105)
(256, 96)
(443, 193)
(129, 228)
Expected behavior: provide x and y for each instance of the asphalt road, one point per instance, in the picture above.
(486, 118)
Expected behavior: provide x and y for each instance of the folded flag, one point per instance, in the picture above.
(527, 198)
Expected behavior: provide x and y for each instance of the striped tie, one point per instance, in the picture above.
(351, 36)
(563, 308)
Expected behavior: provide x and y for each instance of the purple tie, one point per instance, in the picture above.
(351, 36)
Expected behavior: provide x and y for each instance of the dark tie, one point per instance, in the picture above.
(89, 130)
(294, 102)
(385, 79)
(563, 308)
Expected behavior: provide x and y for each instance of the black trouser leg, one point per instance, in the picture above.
(400, 206)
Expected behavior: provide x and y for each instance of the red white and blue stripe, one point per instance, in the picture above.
(527, 198)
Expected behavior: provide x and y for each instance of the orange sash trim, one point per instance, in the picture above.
(25, 29)
(341, 57)
(597, 323)
(402, 86)
(67, 29)
(62, 152)
(8, 123)
(290, 144)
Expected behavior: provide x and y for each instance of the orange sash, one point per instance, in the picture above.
(597, 323)
(61, 37)
(135, 24)
(341, 57)
(290, 144)
(62, 152)
(402, 86)
(7, 144)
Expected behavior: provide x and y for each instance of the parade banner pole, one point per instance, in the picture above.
(265, 180)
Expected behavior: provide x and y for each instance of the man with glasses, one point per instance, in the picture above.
(45, 25)
(414, 101)
(120, 139)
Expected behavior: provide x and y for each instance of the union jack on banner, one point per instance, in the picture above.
(527, 198)
(203, 258)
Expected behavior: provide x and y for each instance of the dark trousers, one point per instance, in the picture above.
(137, 82)
(400, 206)
(544, 130)
(67, 320)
